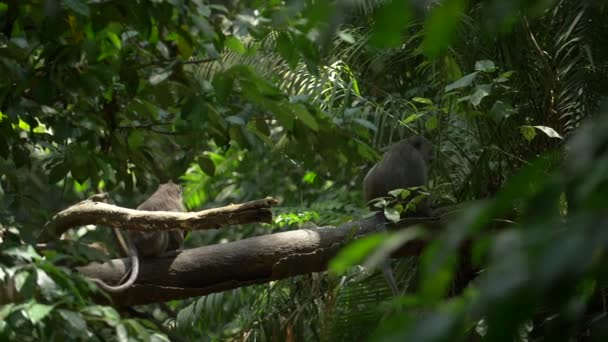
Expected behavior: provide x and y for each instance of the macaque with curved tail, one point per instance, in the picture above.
(403, 166)
(168, 197)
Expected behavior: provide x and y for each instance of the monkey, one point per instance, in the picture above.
(168, 197)
(403, 166)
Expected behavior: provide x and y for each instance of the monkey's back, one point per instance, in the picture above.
(166, 198)
(401, 167)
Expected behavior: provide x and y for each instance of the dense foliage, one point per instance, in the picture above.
(243, 99)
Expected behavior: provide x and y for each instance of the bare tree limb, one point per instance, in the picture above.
(96, 212)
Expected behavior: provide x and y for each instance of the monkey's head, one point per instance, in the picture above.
(423, 146)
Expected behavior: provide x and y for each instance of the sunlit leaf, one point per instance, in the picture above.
(37, 312)
(159, 75)
(550, 132)
(485, 66)
(235, 44)
(422, 100)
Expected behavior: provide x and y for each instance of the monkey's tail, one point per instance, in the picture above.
(387, 271)
(134, 268)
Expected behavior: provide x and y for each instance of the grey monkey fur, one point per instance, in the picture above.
(168, 197)
(403, 166)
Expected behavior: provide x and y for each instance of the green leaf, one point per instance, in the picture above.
(391, 244)
(78, 6)
(73, 320)
(207, 165)
(392, 214)
(403, 193)
(441, 26)
(347, 37)
(302, 113)
(422, 100)
(159, 75)
(309, 177)
(25, 253)
(58, 172)
(485, 66)
(501, 110)
(237, 120)
(287, 49)
(234, 44)
(461, 83)
(481, 91)
(390, 21)
(223, 84)
(184, 44)
(550, 132)
(366, 123)
(355, 252)
(432, 123)
(37, 312)
(136, 140)
(411, 119)
(528, 132)
(113, 38)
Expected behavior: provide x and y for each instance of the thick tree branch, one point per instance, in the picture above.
(94, 212)
(203, 270)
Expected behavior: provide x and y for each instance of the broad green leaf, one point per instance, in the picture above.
(184, 44)
(432, 123)
(528, 132)
(287, 49)
(441, 26)
(37, 312)
(461, 83)
(355, 252)
(485, 66)
(392, 214)
(390, 21)
(78, 6)
(237, 120)
(73, 320)
(347, 37)
(302, 113)
(501, 110)
(481, 91)
(234, 44)
(58, 172)
(309, 177)
(392, 243)
(136, 139)
(550, 132)
(25, 253)
(207, 165)
(159, 75)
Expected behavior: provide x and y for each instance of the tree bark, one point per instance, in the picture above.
(96, 212)
(215, 268)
